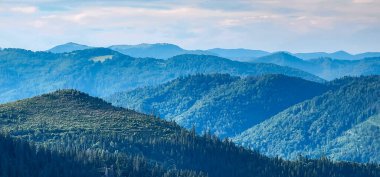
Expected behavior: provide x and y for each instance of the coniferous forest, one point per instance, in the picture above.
(75, 129)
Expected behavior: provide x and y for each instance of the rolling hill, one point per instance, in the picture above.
(222, 104)
(101, 71)
(71, 120)
(325, 125)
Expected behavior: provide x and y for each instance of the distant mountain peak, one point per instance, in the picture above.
(146, 45)
(73, 43)
(157, 50)
(286, 56)
(340, 52)
(186, 56)
(239, 54)
(165, 45)
(68, 47)
(282, 53)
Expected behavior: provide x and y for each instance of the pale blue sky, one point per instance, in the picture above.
(273, 25)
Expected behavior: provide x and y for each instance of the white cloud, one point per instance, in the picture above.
(362, 1)
(24, 9)
(261, 24)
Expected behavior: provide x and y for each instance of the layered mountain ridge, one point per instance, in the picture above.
(324, 125)
(326, 68)
(166, 50)
(101, 71)
(289, 116)
(222, 104)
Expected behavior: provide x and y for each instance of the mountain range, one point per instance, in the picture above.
(324, 65)
(222, 104)
(340, 55)
(165, 51)
(159, 50)
(325, 68)
(168, 111)
(134, 144)
(102, 71)
(275, 114)
(342, 123)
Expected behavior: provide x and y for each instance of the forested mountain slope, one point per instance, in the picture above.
(72, 120)
(222, 104)
(330, 69)
(101, 72)
(21, 158)
(325, 124)
(360, 143)
(18, 158)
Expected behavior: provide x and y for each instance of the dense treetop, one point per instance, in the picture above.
(325, 124)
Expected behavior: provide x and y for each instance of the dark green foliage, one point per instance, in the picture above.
(18, 158)
(325, 125)
(101, 71)
(219, 103)
(140, 145)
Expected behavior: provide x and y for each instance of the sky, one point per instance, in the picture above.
(271, 25)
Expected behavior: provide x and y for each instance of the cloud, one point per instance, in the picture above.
(259, 24)
(362, 1)
(24, 9)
